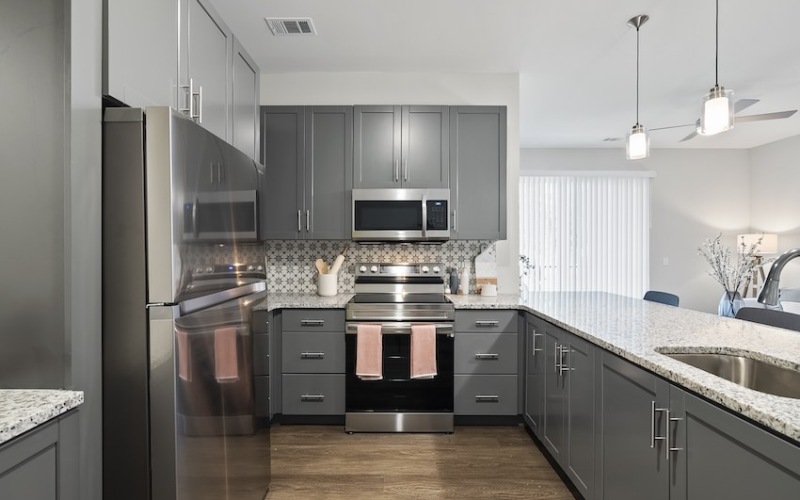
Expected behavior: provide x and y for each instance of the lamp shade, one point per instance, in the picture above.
(717, 112)
(637, 145)
(769, 243)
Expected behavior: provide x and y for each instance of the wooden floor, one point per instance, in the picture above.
(323, 462)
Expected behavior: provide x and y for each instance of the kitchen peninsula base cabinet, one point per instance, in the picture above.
(307, 152)
(312, 363)
(661, 442)
(533, 409)
(42, 464)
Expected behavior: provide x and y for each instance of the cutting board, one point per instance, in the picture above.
(486, 267)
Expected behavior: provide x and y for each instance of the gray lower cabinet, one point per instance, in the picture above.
(261, 326)
(659, 441)
(307, 154)
(569, 405)
(486, 363)
(478, 172)
(401, 146)
(42, 464)
(533, 411)
(312, 362)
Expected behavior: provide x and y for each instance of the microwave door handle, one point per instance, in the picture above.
(424, 216)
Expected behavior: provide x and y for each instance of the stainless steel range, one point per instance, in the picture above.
(397, 297)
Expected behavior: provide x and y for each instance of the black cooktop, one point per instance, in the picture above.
(399, 298)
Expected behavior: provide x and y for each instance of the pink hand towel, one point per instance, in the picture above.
(226, 363)
(184, 355)
(369, 352)
(423, 351)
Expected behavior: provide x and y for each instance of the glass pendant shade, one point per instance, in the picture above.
(637, 144)
(717, 112)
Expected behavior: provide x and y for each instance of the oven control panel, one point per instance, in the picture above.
(390, 270)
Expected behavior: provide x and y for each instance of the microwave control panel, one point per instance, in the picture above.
(437, 215)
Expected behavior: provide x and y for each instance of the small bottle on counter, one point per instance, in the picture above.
(464, 286)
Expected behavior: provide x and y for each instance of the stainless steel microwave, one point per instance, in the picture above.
(221, 216)
(392, 215)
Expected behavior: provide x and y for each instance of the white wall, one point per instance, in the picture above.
(696, 194)
(418, 88)
(775, 198)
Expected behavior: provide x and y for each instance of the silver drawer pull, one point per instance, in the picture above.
(312, 355)
(312, 322)
(487, 323)
(487, 398)
(313, 398)
(486, 356)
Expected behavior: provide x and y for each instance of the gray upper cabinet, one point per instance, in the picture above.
(244, 101)
(534, 374)
(478, 172)
(141, 52)
(307, 153)
(205, 52)
(401, 146)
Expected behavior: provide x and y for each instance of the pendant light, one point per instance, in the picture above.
(637, 143)
(717, 113)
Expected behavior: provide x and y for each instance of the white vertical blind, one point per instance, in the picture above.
(586, 233)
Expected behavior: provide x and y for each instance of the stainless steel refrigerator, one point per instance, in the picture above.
(179, 416)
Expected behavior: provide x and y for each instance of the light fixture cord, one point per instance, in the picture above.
(716, 53)
(637, 75)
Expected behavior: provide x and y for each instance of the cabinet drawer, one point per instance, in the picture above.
(313, 394)
(486, 353)
(307, 352)
(485, 394)
(486, 321)
(317, 320)
(260, 354)
(261, 387)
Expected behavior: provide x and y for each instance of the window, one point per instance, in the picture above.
(585, 232)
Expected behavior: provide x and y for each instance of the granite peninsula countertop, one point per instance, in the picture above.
(640, 331)
(24, 409)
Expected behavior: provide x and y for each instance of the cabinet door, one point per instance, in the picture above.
(553, 435)
(632, 429)
(478, 172)
(244, 102)
(141, 56)
(425, 157)
(328, 171)
(534, 375)
(377, 138)
(579, 361)
(206, 48)
(283, 157)
(723, 456)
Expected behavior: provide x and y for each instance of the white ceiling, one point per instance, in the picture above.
(576, 59)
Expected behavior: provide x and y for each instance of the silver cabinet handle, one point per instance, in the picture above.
(312, 322)
(653, 436)
(189, 97)
(397, 170)
(312, 355)
(487, 398)
(299, 225)
(308, 220)
(556, 358)
(564, 351)
(486, 323)
(669, 446)
(405, 170)
(199, 105)
(486, 356)
(313, 398)
(535, 350)
(453, 225)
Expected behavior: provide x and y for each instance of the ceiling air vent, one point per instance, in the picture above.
(286, 26)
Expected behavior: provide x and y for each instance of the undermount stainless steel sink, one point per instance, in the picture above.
(754, 374)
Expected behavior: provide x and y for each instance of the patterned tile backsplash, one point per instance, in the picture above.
(290, 263)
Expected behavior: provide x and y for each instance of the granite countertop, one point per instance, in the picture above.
(639, 331)
(23, 409)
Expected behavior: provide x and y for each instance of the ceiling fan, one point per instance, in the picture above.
(740, 105)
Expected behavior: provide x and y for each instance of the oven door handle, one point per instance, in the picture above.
(402, 328)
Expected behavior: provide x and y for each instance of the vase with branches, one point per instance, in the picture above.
(732, 274)
(525, 267)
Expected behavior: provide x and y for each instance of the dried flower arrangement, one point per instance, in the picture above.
(731, 275)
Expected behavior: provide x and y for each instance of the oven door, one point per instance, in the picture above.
(398, 392)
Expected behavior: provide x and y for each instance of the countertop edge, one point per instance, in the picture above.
(22, 410)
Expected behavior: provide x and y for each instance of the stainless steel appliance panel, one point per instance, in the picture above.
(398, 214)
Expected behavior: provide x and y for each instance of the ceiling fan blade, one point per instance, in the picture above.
(689, 137)
(743, 104)
(779, 115)
(673, 126)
